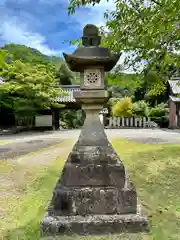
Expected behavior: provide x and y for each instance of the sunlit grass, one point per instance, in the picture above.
(154, 169)
(3, 142)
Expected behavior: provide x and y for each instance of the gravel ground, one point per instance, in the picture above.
(44, 156)
(16, 149)
(24, 143)
(153, 141)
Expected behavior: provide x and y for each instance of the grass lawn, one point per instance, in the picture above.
(155, 170)
(3, 142)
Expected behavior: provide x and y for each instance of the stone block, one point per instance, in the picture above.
(92, 200)
(93, 175)
(93, 154)
(94, 224)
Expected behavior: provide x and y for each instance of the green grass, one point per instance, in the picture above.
(154, 169)
(3, 142)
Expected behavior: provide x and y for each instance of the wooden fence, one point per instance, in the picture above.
(132, 122)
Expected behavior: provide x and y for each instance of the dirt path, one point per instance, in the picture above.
(16, 149)
(45, 155)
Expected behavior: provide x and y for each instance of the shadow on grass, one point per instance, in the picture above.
(154, 170)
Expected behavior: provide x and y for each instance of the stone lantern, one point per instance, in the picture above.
(94, 194)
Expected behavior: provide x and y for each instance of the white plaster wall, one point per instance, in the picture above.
(43, 121)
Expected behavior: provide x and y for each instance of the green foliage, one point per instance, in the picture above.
(121, 84)
(64, 76)
(28, 87)
(31, 79)
(29, 55)
(70, 119)
(123, 108)
(4, 57)
(112, 101)
(125, 80)
(149, 30)
(140, 108)
(159, 114)
(155, 83)
(159, 111)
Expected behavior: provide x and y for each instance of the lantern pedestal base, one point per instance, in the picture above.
(94, 224)
(94, 194)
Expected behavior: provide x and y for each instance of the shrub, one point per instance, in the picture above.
(123, 108)
(113, 101)
(140, 108)
(71, 118)
(159, 114)
(160, 110)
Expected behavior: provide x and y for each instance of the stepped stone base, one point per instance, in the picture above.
(94, 224)
(94, 194)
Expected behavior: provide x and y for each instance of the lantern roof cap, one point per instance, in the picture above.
(91, 54)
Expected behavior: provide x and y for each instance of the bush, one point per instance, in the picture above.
(159, 114)
(160, 110)
(71, 119)
(123, 108)
(140, 108)
(113, 101)
(63, 125)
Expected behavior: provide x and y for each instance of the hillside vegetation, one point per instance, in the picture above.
(30, 79)
(30, 55)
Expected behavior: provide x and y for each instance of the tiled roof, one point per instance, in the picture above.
(174, 83)
(69, 98)
(174, 99)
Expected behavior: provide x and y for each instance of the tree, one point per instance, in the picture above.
(29, 55)
(123, 79)
(148, 30)
(5, 58)
(123, 108)
(123, 84)
(28, 88)
(140, 108)
(64, 76)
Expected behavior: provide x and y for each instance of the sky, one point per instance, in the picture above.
(45, 24)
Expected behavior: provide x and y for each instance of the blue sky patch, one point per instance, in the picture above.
(45, 24)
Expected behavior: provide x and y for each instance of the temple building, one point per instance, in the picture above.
(49, 118)
(174, 102)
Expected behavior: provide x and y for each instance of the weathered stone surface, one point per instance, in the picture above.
(92, 200)
(93, 154)
(94, 194)
(92, 133)
(86, 96)
(94, 224)
(93, 175)
(91, 54)
(91, 36)
(93, 182)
